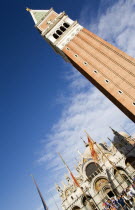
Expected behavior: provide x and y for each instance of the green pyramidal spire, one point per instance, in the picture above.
(37, 15)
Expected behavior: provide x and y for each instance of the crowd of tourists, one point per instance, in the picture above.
(125, 201)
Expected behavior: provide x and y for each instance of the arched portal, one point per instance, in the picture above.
(122, 177)
(92, 168)
(85, 200)
(102, 186)
(131, 161)
(76, 208)
(107, 191)
(88, 202)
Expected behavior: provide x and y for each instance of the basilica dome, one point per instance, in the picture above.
(87, 153)
(124, 134)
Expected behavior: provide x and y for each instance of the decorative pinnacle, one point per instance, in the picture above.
(115, 132)
(112, 130)
(28, 9)
(84, 142)
(85, 131)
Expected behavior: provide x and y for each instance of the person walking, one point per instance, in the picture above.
(122, 203)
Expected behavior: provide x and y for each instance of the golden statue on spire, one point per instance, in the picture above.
(28, 9)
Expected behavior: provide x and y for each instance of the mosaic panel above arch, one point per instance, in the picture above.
(100, 183)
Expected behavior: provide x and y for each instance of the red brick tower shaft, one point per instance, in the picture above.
(105, 66)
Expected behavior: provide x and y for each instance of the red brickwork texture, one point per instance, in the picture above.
(89, 53)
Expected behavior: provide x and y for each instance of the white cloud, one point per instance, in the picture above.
(117, 25)
(85, 107)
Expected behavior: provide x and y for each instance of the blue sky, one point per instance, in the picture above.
(45, 105)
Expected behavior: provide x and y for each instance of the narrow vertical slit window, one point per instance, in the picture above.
(85, 63)
(107, 81)
(120, 92)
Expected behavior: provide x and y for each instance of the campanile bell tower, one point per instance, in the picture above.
(105, 66)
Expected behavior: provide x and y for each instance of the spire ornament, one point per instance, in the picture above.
(28, 9)
(67, 178)
(58, 188)
(64, 185)
(85, 144)
(114, 131)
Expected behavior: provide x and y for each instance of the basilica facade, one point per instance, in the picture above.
(99, 181)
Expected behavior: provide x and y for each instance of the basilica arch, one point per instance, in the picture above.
(130, 161)
(121, 175)
(85, 199)
(88, 202)
(91, 169)
(76, 208)
(103, 187)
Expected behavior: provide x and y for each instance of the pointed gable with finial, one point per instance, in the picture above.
(37, 15)
(43, 18)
